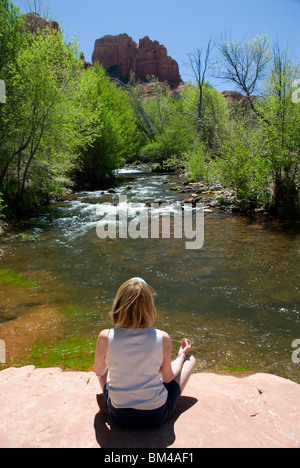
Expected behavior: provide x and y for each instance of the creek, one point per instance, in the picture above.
(237, 298)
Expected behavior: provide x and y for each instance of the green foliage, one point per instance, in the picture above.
(214, 128)
(62, 124)
(173, 130)
(282, 136)
(255, 147)
(44, 124)
(215, 115)
(153, 152)
(58, 118)
(118, 137)
(199, 164)
(10, 37)
(243, 166)
(2, 204)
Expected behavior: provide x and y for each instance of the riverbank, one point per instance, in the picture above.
(58, 409)
(216, 196)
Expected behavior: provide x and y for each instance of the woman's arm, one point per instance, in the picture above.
(170, 370)
(100, 365)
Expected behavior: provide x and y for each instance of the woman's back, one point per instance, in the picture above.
(134, 357)
(133, 361)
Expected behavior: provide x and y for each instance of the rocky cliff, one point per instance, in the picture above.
(234, 97)
(121, 56)
(34, 21)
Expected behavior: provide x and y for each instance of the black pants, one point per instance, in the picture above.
(129, 417)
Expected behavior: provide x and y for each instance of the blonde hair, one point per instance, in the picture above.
(133, 306)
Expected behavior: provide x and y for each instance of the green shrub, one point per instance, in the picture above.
(153, 152)
(243, 165)
(2, 204)
(199, 164)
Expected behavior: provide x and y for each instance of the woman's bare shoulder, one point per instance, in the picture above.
(166, 340)
(165, 335)
(103, 335)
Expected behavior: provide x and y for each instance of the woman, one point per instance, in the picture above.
(133, 361)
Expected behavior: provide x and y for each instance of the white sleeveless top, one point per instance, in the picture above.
(134, 358)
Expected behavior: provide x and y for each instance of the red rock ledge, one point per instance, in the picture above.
(48, 408)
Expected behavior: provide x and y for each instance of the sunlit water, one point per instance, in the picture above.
(237, 298)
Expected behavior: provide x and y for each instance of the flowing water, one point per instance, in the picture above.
(237, 298)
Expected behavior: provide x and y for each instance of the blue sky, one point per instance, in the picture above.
(180, 25)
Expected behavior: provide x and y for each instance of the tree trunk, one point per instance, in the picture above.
(200, 103)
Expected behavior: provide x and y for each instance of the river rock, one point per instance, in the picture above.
(160, 201)
(49, 408)
(190, 200)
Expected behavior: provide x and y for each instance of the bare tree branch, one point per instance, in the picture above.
(200, 66)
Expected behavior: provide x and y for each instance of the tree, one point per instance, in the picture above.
(118, 137)
(173, 130)
(11, 41)
(39, 7)
(282, 132)
(143, 121)
(10, 44)
(215, 115)
(44, 128)
(278, 117)
(243, 165)
(245, 64)
(200, 66)
(10, 37)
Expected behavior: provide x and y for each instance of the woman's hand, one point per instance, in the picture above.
(170, 370)
(185, 347)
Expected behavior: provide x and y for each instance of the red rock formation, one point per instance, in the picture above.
(121, 56)
(85, 63)
(232, 96)
(235, 97)
(33, 22)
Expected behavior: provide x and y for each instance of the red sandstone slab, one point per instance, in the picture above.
(42, 408)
